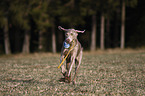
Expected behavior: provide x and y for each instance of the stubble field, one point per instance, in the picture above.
(117, 73)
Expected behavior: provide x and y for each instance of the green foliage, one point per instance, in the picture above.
(40, 14)
(4, 12)
(71, 13)
(2, 22)
(89, 7)
(20, 13)
(131, 3)
(110, 8)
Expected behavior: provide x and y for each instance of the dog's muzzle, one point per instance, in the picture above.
(67, 40)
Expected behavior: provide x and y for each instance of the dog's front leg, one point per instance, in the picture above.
(71, 65)
(63, 69)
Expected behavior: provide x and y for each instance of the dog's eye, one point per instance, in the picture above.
(66, 34)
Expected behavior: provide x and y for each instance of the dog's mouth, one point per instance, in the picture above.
(69, 41)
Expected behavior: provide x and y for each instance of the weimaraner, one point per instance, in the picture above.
(75, 55)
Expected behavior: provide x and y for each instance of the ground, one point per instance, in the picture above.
(111, 73)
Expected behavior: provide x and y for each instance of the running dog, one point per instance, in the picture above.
(75, 55)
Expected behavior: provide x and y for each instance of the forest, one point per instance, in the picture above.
(28, 26)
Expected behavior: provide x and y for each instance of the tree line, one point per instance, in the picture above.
(31, 25)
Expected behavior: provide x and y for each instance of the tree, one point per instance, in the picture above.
(123, 25)
(90, 8)
(70, 13)
(103, 8)
(26, 43)
(107, 8)
(93, 35)
(54, 11)
(4, 22)
(21, 17)
(102, 36)
(40, 16)
(53, 38)
(131, 3)
(6, 37)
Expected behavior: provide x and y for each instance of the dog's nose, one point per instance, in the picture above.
(67, 40)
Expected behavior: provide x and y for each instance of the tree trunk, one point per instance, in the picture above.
(53, 39)
(40, 46)
(26, 44)
(107, 36)
(123, 25)
(6, 37)
(102, 32)
(93, 35)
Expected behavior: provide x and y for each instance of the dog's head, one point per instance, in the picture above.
(70, 34)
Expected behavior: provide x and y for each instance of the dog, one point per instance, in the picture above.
(75, 55)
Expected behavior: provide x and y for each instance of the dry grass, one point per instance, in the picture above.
(112, 73)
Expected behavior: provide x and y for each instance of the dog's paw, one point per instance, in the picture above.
(62, 80)
(67, 79)
(64, 74)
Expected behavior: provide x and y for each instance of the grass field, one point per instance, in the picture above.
(117, 73)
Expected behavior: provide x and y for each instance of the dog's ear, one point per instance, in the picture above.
(60, 28)
(80, 31)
